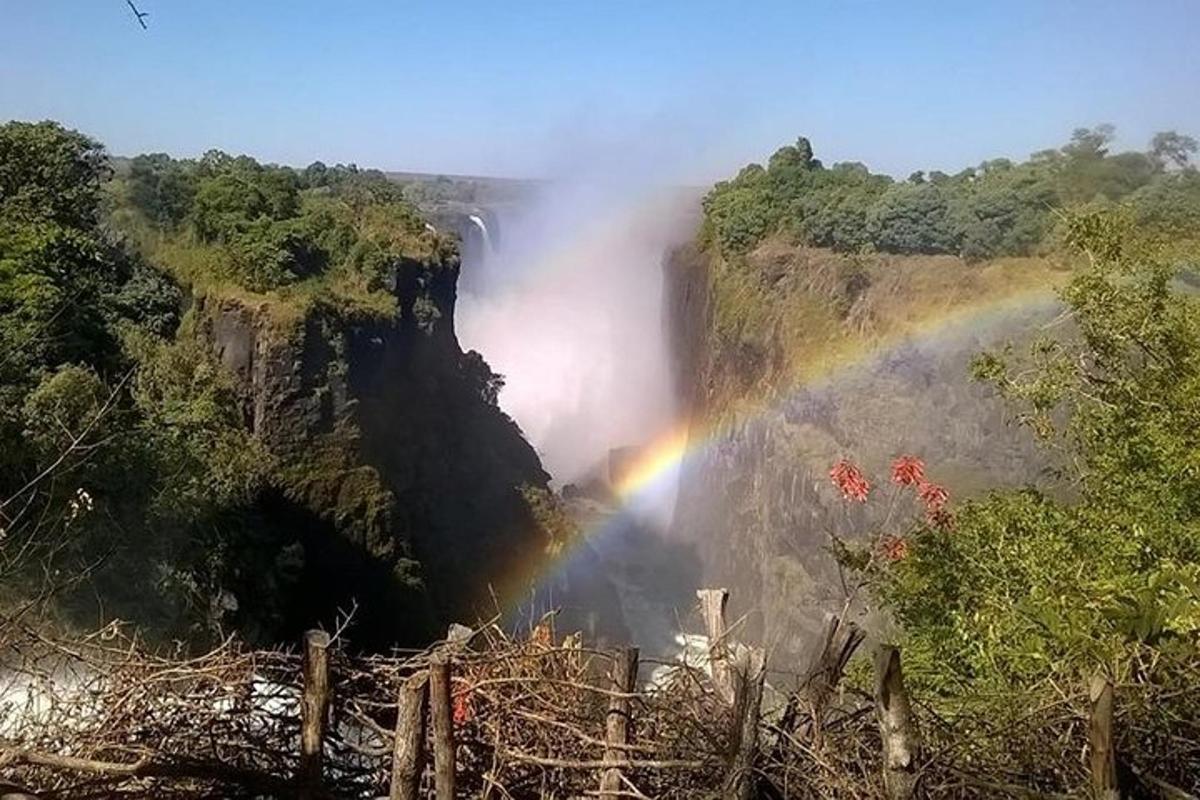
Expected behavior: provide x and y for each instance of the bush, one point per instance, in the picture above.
(912, 219)
(1102, 573)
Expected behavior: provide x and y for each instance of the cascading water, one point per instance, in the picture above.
(477, 221)
(571, 316)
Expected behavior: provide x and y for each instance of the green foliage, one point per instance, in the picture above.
(162, 188)
(224, 221)
(330, 478)
(123, 457)
(49, 174)
(1103, 567)
(1170, 206)
(556, 526)
(999, 208)
(191, 428)
(912, 218)
(64, 404)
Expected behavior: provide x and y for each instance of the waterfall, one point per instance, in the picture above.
(487, 237)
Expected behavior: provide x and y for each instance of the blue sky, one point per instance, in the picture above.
(510, 87)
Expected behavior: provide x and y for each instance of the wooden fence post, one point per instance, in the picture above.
(897, 727)
(314, 709)
(839, 641)
(712, 606)
(1100, 739)
(408, 749)
(751, 674)
(616, 722)
(443, 725)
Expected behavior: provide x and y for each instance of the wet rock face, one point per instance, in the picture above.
(755, 494)
(686, 316)
(398, 477)
(289, 388)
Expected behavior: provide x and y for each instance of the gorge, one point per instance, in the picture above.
(667, 381)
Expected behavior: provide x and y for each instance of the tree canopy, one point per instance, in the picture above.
(996, 209)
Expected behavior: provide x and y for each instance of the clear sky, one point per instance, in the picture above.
(518, 88)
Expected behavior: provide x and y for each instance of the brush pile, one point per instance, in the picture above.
(102, 717)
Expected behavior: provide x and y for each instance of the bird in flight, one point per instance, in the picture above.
(140, 15)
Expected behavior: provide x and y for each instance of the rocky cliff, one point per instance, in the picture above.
(789, 359)
(400, 478)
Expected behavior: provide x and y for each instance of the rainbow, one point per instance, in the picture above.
(666, 453)
(664, 457)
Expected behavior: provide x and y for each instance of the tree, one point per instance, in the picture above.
(1169, 147)
(1170, 206)
(49, 174)
(1090, 143)
(913, 219)
(162, 188)
(797, 156)
(95, 474)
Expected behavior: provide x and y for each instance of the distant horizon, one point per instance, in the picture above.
(390, 171)
(687, 94)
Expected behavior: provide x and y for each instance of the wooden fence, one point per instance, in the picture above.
(484, 715)
(738, 677)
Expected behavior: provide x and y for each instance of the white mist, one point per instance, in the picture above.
(572, 317)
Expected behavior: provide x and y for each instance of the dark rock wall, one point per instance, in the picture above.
(398, 476)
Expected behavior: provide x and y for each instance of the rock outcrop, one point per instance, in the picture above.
(399, 476)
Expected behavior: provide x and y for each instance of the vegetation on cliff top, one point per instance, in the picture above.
(272, 235)
(999, 208)
(809, 266)
(131, 486)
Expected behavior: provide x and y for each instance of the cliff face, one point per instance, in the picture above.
(399, 477)
(790, 359)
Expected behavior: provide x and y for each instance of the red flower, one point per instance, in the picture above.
(933, 496)
(908, 471)
(850, 480)
(894, 548)
(464, 709)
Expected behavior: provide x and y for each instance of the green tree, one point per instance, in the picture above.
(49, 174)
(913, 218)
(1089, 143)
(1104, 570)
(162, 188)
(1169, 147)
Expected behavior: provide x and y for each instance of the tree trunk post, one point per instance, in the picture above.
(838, 644)
(443, 725)
(712, 606)
(897, 727)
(1100, 738)
(750, 676)
(617, 721)
(839, 641)
(314, 710)
(408, 750)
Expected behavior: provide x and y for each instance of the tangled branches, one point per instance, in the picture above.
(102, 717)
